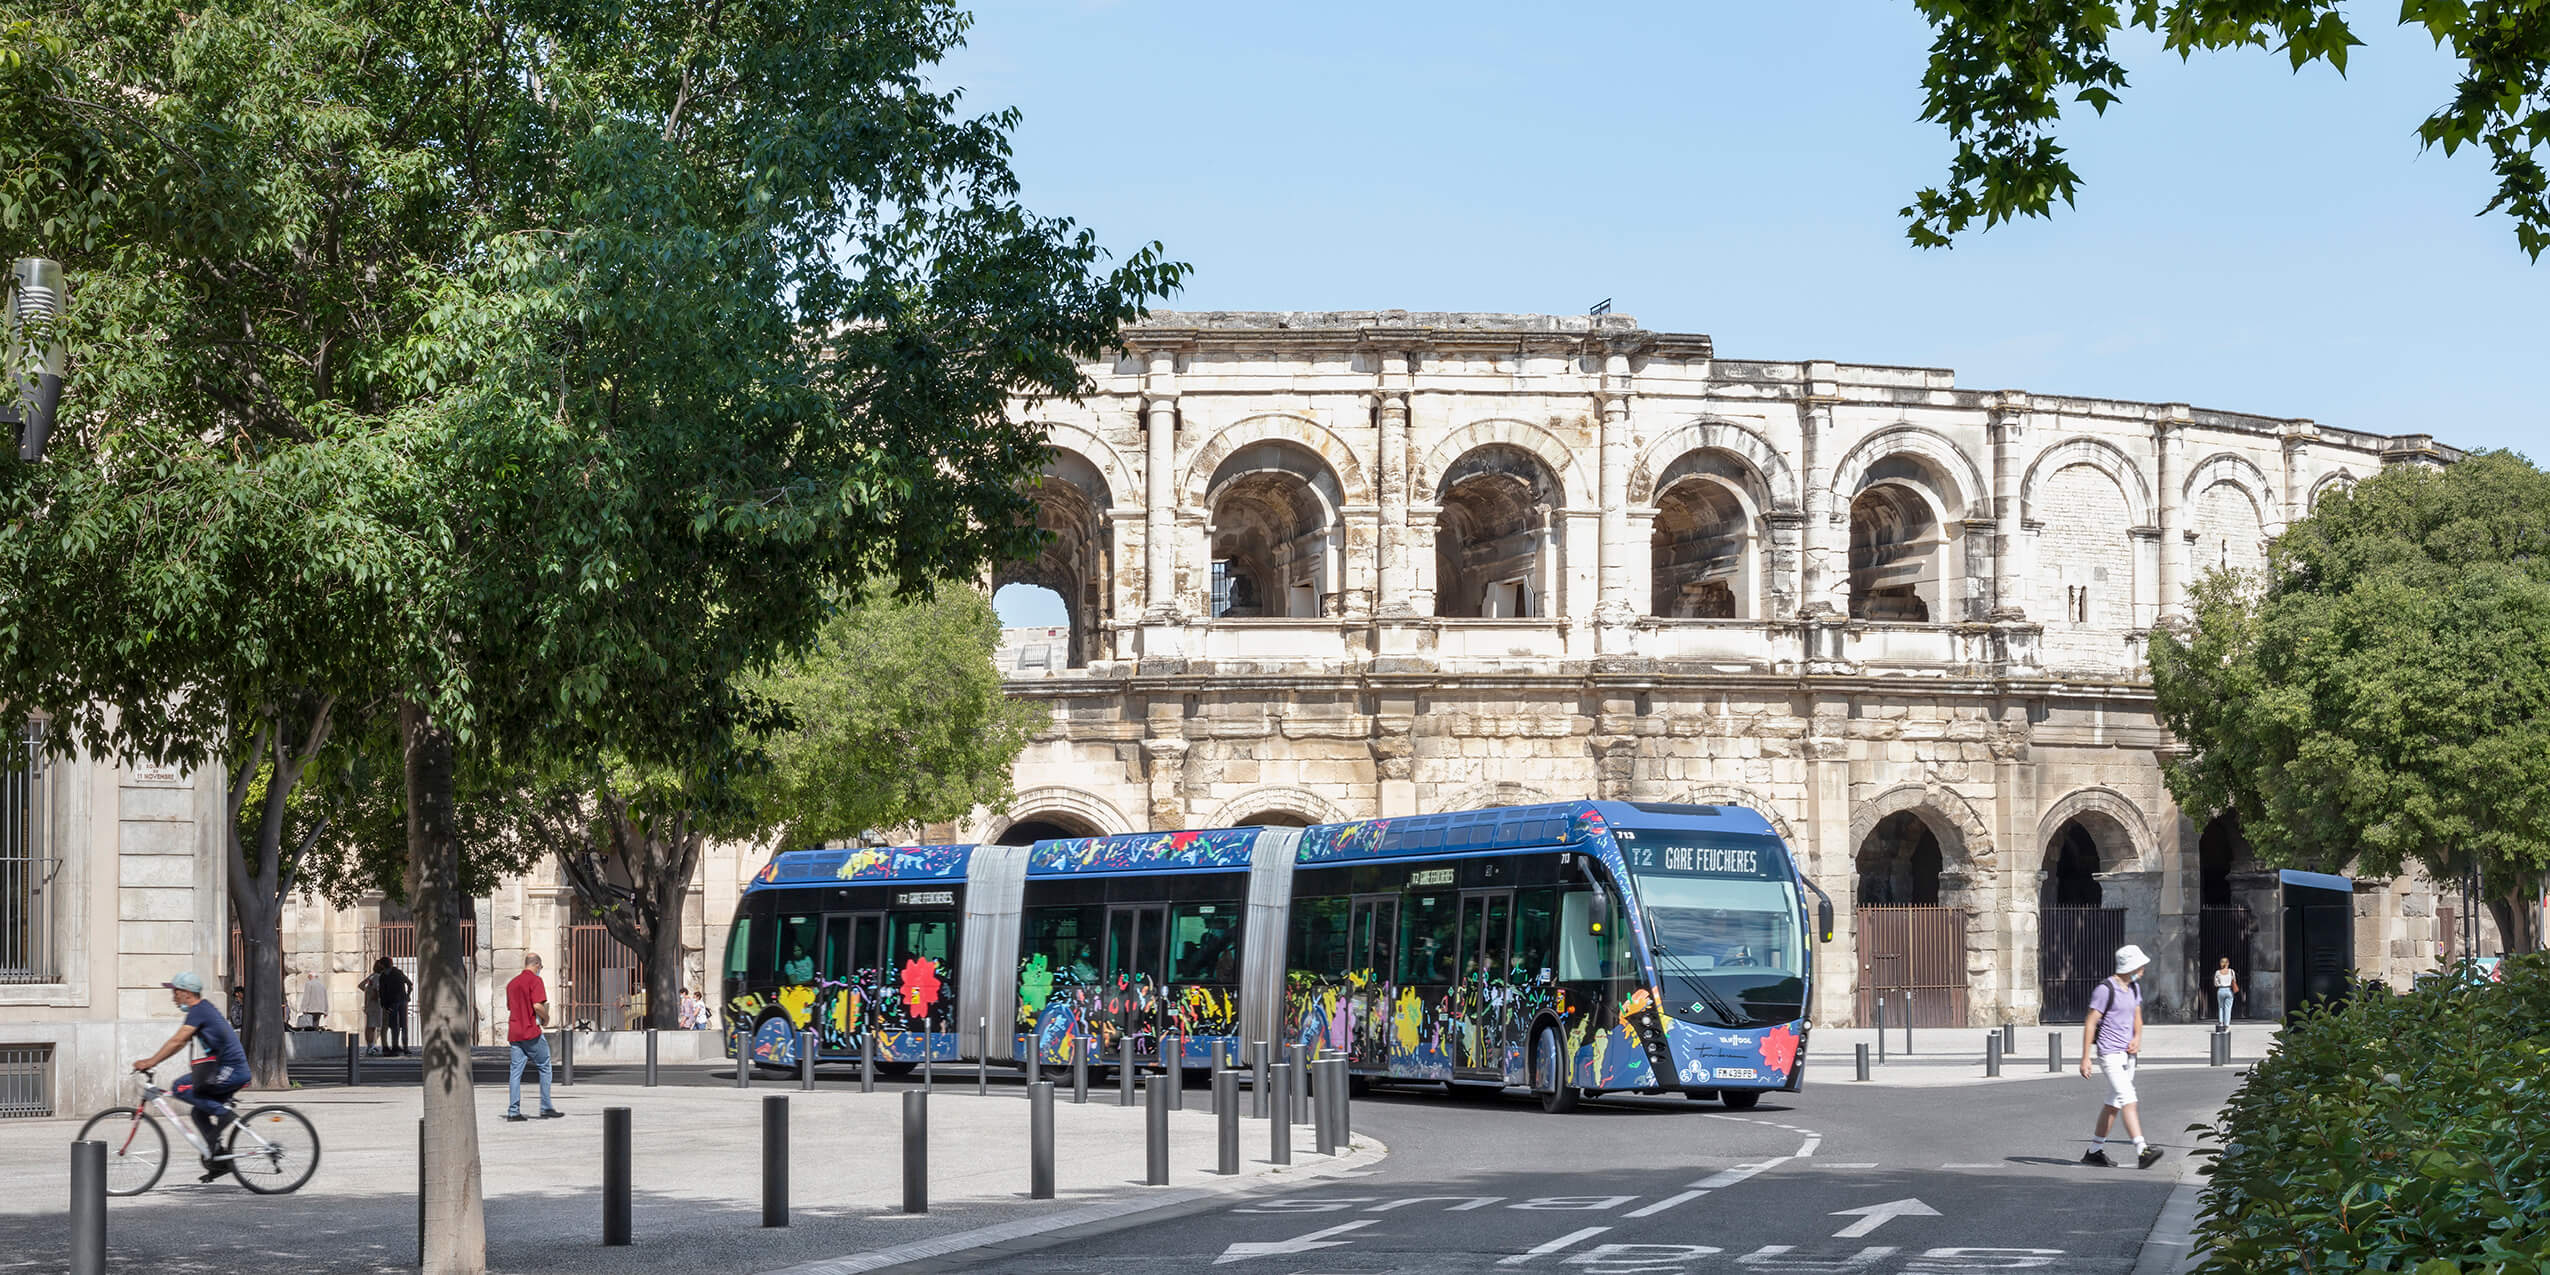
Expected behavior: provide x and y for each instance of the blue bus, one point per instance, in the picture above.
(1572, 948)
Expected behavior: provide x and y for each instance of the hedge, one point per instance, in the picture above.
(2398, 1133)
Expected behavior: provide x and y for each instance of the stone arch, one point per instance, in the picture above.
(1487, 796)
(1738, 795)
(1077, 559)
(1958, 471)
(2238, 471)
(1497, 536)
(2100, 455)
(1060, 804)
(1275, 533)
(1739, 441)
(1121, 479)
(2334, 479)
(1563, 461)
(1301, 802)
(2123, 836)
(1944, 810)
(1355, 487)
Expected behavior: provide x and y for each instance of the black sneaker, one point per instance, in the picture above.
(516, 1117)
(2149, 1157)
(2098, 1157)
(553, 1114)
(214, 1170)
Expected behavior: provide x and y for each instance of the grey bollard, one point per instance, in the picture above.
(1298, 1057)
(353, 1059)
(867, 1062)
(916, 1151)
(774, 1160)
(1257, 1080)
(566, 1057)
(650, 1057)
(2054, 1051)
(982, 1057)
(1124, 1070)
(1908, 1020)
(1344, 1100)
(744, 1063)
(1226, 1122)
(615, 1177)
(1279, 1116)
(1040, 1140)
(2009, 1038)
(1992, 1054)
(1861, 1049)
(1221, 1063)
(88, 1208)
(1155, 1131)
(2221, 1048)
(1323, 1135)
(929, 1060)
(806, 1062)
(1174, 1059)
(1080, 1069)
(1881, 1029)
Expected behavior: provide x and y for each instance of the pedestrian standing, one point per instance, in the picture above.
(371, 989)
(526, 1030)
(314, 1002)
(691, 1010)
(2226, 986)
(395, 990)
(2113, 1034)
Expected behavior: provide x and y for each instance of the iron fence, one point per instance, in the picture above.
(26, 1081)
(1912, 948)
(27, 897)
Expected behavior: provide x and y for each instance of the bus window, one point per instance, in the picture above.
(1067, 937)
(921, 934)
(921, 996)
(800, 935)
(1433, 923)
(1319, 937)
(1204, 945)
(1484, 921)
(1587, 957)
(1375, 937)
(849, 946)
(1134, 940)
(739, 947)
(1534, 953)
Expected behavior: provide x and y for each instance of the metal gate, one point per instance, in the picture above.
(1912, 955)
(2224, 932)
(397, 941)
(601, 972)
(2075, 948)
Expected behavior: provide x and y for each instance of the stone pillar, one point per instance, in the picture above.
(2009, 427)
(2171, 514)
(1780, 573)
(1615, 610)
(2295, 435)
(1391, 406)
(1421, 533)
(1823, 583)
(1160, 506)
(1832, 858)
(1166, 790)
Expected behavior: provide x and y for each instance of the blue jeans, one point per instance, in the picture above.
(534, 1051)
(2222, 1005)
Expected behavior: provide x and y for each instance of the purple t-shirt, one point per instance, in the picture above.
(2116, 1007)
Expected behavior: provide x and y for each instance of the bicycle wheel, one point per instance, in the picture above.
(136, 1149)
(273, 1150)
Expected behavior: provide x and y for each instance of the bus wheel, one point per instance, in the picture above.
(1556, 1095)
(782, 1037)
(1740, 1099)
(1700, 1095)
(897, 1070)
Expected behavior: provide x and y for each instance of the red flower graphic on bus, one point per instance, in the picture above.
(920, 986)
(1779, 1049)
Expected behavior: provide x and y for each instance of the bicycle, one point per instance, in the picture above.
(270, 1149)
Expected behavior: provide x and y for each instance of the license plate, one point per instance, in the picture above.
(1736, 1073)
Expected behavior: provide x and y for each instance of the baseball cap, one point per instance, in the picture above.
(2130, 958)
(187, 981)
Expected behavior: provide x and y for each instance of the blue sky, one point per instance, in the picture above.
(2246, 238)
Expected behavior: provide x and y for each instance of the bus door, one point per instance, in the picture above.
(1483, 994)
(1372, 948)
(1137, 937)
(853, 955)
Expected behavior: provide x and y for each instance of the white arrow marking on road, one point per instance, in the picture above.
(1298, 1244)
(1876, 1215)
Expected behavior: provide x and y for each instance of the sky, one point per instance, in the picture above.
(2247, 238)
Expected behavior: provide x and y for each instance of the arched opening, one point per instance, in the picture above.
(1074, 564)
(1897, 555)
(1492, 540)
(2239, 919)
(2077, 933)
(1899, 862)
(1703, 551)
(1273, 534)
(1273, 819)
(2071, 868)
(1035, 630)
(1044, 827)
(1910, 934)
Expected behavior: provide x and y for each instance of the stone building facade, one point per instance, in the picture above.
(1349, 565)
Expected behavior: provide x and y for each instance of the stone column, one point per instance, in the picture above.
(2171, 514)
(1615, 609)
(1160, 506)
(1166, 791)
(1823, 583)
(2009, 426)
(1391, 406)
(1421, 533)
(1832, 859)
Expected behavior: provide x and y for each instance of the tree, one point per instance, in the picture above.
(2001, 72)
(635, 334)
(2381, 697)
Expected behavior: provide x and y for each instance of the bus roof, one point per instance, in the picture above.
(863, 865)
(1514, 827)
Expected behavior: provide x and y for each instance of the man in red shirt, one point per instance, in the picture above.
(526, 1021)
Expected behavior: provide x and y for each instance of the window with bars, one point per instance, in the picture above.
(26, 1081)
(27, 873)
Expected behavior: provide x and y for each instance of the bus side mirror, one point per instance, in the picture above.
(1598, 908)
(1824, 918)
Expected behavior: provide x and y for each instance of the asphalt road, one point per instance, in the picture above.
(1961, 1179)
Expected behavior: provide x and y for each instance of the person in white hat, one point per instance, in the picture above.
(2114, 1036)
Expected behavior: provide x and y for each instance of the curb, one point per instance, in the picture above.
(2170, 1248)
(1105, 1215)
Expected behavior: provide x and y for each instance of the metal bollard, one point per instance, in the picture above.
(1908, 1020)
(88, 1208)
(1155, 1132)
(867, 1062)
(1861, 1049)
(2221, 1048)
(1279, 1117)
(1298, 1057)
(929, 1059)
(1124, 1070)
(2054, 1051)
(1040, 1140)
(774, 1160)
(615, 1176)
(744, 1062)
(1881, 1029)
(650, 1057)
(353, 1059)
(1992, 1054)
(1343, 1119)
(1221, 1063)
(1323, 1133)
(1226, 1123)
(1174, 1058)
(1257, 1080)
(806, 1062)
(2009, 1038)
(982, 1057)
(566, 1057)
(916, 1151)
(1079, 1069)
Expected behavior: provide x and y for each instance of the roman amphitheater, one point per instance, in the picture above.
(1348, 565)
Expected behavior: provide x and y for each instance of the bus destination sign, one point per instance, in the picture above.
(924, 898)
(1716, 857)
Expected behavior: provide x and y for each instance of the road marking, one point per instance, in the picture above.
(1830, 1165)
(1989, 1164)
(1721, 1181)
(1666, 1203)
(1572, 1237)
(1472, 1202)
(1872, 1216)
(1769, 1258)
(1298, 1244)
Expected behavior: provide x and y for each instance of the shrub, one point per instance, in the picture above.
(2398, 1133)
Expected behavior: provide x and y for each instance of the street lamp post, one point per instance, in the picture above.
(32, 361)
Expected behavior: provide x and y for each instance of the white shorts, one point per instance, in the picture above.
(2120, 1079)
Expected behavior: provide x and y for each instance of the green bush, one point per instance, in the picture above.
(2399, 1133)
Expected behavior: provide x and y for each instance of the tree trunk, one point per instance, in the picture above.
(262, 1020)
(455, 1208)
(664, 957)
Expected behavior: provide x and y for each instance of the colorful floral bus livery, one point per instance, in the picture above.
(1572, 948)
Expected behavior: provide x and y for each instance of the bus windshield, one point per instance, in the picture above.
(1724, 928)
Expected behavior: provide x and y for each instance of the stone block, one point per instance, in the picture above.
(164, 870)
(155, 837)
(155, 803)
(154, 904)
(157, 938)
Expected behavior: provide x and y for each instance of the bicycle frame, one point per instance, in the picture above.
(154, 1097)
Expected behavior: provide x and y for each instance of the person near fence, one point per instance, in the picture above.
(371, 989)
(395, 989)
(2226, 986)
(526, 1031)
(219, 1067)
(2113, 1034)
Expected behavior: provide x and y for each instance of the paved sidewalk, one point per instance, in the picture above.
(696, 1170)
(1953, 1056)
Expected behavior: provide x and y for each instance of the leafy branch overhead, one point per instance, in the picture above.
(2002, 72)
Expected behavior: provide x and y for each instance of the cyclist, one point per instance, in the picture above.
(220, 1065)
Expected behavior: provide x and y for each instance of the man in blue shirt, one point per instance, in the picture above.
(220, 1066)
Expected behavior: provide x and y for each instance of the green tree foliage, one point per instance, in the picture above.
(524, 369)
(2002, 71)
(2382, 696)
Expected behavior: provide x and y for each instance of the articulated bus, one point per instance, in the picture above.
(1574, 948)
